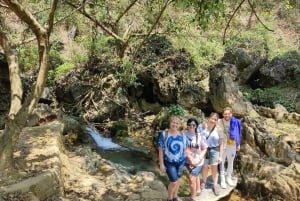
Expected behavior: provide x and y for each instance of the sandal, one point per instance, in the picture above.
(216, 190)
(198, 193)
(202, 185)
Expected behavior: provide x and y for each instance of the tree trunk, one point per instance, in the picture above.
(17, 118)
(7, 142)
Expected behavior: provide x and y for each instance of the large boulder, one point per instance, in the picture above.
(278, 71)
(224, 90)
(247, 64)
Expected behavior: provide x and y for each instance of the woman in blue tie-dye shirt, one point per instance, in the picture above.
(172, 147)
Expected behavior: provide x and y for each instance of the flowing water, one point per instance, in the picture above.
(121, 155)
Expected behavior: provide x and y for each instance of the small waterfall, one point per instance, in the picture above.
(121, 155)
(104, 143)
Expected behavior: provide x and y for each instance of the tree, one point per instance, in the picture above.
(130, 21)
(20, 111)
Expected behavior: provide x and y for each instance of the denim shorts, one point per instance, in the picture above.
(213, 157)
(174, 170)
(194, 171)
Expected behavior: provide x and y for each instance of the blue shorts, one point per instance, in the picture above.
(213, 157)
(194, 171)
(174, 170)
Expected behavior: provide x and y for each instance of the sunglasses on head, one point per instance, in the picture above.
(194, 125)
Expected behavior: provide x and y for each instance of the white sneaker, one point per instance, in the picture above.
(223, 182)
(229, 181)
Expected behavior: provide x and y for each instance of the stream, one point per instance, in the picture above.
(121, 155)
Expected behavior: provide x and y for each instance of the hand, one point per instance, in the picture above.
(238, 148)
(162, 168)
(220, 160)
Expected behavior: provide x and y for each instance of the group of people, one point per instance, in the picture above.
(197, 148)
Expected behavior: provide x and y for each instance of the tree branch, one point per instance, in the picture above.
(28, 40)
(231, 17)
(125, 11)
(151, 28)
(253, 10)
(51, 17)
(26, 16)
(98, 23)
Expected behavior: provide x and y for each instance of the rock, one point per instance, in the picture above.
(224, 91)
(276, 72)
(208, 194)
(38, 154)
(268, 164)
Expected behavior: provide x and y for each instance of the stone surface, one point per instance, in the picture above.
(208, 194)
(38, 154)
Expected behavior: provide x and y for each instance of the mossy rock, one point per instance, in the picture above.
(119, 129)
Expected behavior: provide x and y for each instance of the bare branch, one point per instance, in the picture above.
(29, 40)
(152, 27)
(98, 23)
(231, 17)
(26, 16)
(125, 11)
(51, 16)
(253, 10)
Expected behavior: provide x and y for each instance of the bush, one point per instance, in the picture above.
(60, 70)
(271, 96)
(175, 109)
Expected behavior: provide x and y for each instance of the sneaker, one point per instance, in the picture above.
(216, 190)
(229, 181)
(223, 182)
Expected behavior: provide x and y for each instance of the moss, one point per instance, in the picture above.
(119, 129)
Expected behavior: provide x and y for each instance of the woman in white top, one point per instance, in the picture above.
(214, 151)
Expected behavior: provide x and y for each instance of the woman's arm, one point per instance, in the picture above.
(161, 159)
(221, 143)
(189, 156)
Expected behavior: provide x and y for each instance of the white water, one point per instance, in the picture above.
(103, 143)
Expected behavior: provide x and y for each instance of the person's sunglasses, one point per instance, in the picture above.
(192, 125)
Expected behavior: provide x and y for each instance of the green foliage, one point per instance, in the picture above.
(60, 70)
(28, 57)
(119, 129)
(127, 75)
(78, 57)
(175, 109)
(55, 59)
(270, 96)
(64, 68)
(256, 38)
(204, 11)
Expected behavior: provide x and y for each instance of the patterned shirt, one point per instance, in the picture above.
(173, 147)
